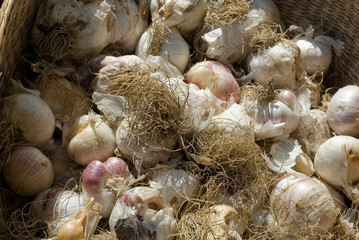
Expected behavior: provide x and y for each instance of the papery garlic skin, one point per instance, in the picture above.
(336, 162)
(90, 138)
(343, 111)
(175, 185)
(66, 99)
(87, 23)
(142, 213)
(215, 76)
(299, 203)
(31, 115)
(173, 47)
(225, 223)
(56, 206)
(131, 22)
(185, 15)
(28, 171)
(96, 185)
(269, 7)
(277, 66)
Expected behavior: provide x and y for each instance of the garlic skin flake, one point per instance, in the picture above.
(343, 111)
(31, 115)
(186, 15)
(336, 162)
(277, 65)
(301, 203)
(90, 138)
(142, 213)
(173, 47)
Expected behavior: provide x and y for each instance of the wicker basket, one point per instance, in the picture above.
(339, 19)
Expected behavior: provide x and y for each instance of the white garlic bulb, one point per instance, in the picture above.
(31, 115)
(269, 7)
(175, 185)
(185, 15)
(301, 205)
(343, 111)
(28, 171)
(336, 163)
(142, 213)
(173, 47)
(131, 22)
(277, 66)
(313, 130)
(85, 23)
(66, 99)
(90, 138)
(56, 206)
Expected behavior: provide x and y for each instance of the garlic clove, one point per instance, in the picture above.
(31, 115)
(28, 171)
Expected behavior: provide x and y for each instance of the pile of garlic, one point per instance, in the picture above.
(83, 150)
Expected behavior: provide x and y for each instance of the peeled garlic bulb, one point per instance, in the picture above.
(276, 66)
(56, 206)
(175, 185)
(66, 99)
(85, 23)
(185, 15)
(215, 76)
(225, 223)
(336, 162)
(142, 213)
(316, 53)
(131, 22)
(343, 111)
(90, 138)
(313, 130)
(173, 47)
(28, 171)
(299, 205)
(103, 181)
(31, 115)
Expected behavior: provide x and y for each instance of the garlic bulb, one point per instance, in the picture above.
(313, 130)
(175, 185)
(272, 119)
(84, 224)
(104, 181)
(131, 22)
(28, 171)
(31, 115)
(90, 138)
(66, 99)
(316, 53)
(301, 205)
(343, 113)
(269, 7)
(225, 223)
(141, 154)
(172, 46)
(277, 65)
(72, 27)
(215, 76)
(142, 213)
(185, 15)
(56, 206)
(336, 163)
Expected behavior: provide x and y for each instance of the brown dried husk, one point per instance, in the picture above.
(155, 110)
(231, 12)
(255, 91)
(157, 31)
(266, 36)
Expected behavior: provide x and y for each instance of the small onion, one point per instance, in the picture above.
(215, 76)
(343, 111)
(28, 171)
